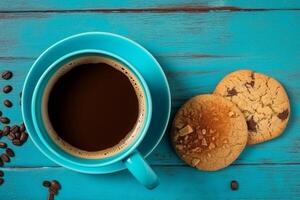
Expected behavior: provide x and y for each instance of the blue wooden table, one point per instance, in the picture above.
(197, 43)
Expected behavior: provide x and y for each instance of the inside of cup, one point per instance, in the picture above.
(42, 130)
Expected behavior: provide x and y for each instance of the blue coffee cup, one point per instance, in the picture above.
(129, 155)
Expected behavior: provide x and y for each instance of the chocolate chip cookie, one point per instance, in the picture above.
(209, 132)
(262, 100)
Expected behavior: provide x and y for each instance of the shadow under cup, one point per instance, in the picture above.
(66, 151)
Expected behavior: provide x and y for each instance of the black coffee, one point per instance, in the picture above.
(93, 106)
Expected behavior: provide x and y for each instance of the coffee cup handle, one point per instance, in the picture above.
(141, 170)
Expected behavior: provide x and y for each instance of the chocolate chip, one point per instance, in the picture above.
(231, 92)
(7, 75)
(252, 75)
(4, 120)
(7, 89)
(6, 130)
(251, 83)
(7, 103)
(11, 136)
(3, 145)
(234, 185)
(46, 184)
(5, 157)
(1, 181)
(22, 127)
(17, 142)
(10, 152)
(23, 137)
(1, 173)
(283, 115)
(251, 124)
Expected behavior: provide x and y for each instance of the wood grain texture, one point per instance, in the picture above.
(197, 43)
(176, 183)
(57, 5)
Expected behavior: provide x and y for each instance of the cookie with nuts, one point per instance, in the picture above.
(209, 132)
(262, 100)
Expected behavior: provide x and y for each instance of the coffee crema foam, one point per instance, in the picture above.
(127, 140)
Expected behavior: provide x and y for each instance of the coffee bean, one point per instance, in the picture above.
(17, 135)
(23, 137)
(17, 142)
(1, 181)
(6, 130)
(1, 173)
(7, 75)
(53, 191)
(7, 89)
(5, 157)
(55, 185)
(7, 103)
(1, 133)
(3, 145)
(10, 152)
(22, 127)
(14, 129)
(11, 136)
(4, 120)
(1, 162)
(50, 196)
(234, 185)
(46, 184)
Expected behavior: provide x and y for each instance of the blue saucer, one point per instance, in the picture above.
(129, 50)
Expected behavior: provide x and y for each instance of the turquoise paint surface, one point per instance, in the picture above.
(196, 49)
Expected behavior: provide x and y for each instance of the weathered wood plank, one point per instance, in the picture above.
(255, 182)
(230, 34)
(33, 5)
(189, 76)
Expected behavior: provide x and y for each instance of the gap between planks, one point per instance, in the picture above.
(16, 168)
(188, 9)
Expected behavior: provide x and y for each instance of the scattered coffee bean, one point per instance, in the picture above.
(1, 181)
(17, 135)
(46, 184)
(1, 133)
(50, 196)
(17, 142)
(23, 137)
(7, 89)
(3, 145)
(7, 75)
(14, 129)
(1, 173)
(234, 185)
(6, 130)
(22, 127)
(53, 191)
(5, 157)
(1, 162)
(55, 185)
(4, 120)
(10, 152)
(7, 103)
(11, 136)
